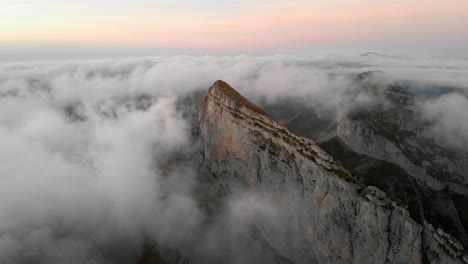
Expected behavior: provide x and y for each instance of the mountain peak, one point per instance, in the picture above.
(223, 89)
(336, 217)
(232, 125)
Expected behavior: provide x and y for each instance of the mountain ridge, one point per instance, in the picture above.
(389, 147)
(246, 149)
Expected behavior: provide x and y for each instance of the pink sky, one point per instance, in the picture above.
(230, 23)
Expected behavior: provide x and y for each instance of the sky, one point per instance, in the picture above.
(231, 25)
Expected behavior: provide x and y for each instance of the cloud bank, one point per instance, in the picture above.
(88, 147)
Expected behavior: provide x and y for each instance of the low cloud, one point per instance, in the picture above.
(86, 146)
(448, 114)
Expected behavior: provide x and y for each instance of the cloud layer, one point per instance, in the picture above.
(87, 147)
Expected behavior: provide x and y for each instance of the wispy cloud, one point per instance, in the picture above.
(86, 147)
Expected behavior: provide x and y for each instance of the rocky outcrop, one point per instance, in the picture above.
(327, 215)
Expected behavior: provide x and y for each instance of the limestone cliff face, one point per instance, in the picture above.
(331, 217)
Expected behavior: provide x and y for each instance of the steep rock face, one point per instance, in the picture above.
(381, 119)
(378, 119)
(331, 217)
(442, 209)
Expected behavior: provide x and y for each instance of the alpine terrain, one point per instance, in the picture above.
(327, 209)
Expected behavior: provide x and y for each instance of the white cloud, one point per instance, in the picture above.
(81, 180)
(450, 119)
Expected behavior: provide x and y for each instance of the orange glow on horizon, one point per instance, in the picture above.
(280, 24)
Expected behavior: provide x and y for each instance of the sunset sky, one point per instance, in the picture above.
(232, 24)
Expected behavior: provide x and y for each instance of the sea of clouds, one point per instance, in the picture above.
(85, 146)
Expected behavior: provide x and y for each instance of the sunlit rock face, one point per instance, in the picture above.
(323, 214)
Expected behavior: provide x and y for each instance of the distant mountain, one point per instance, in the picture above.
(375, 54)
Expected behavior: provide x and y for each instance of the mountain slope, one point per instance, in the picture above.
(383, 143)
(379, 118)
(331, 217)
(380, 122)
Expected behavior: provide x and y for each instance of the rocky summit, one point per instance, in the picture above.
(327, 215)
